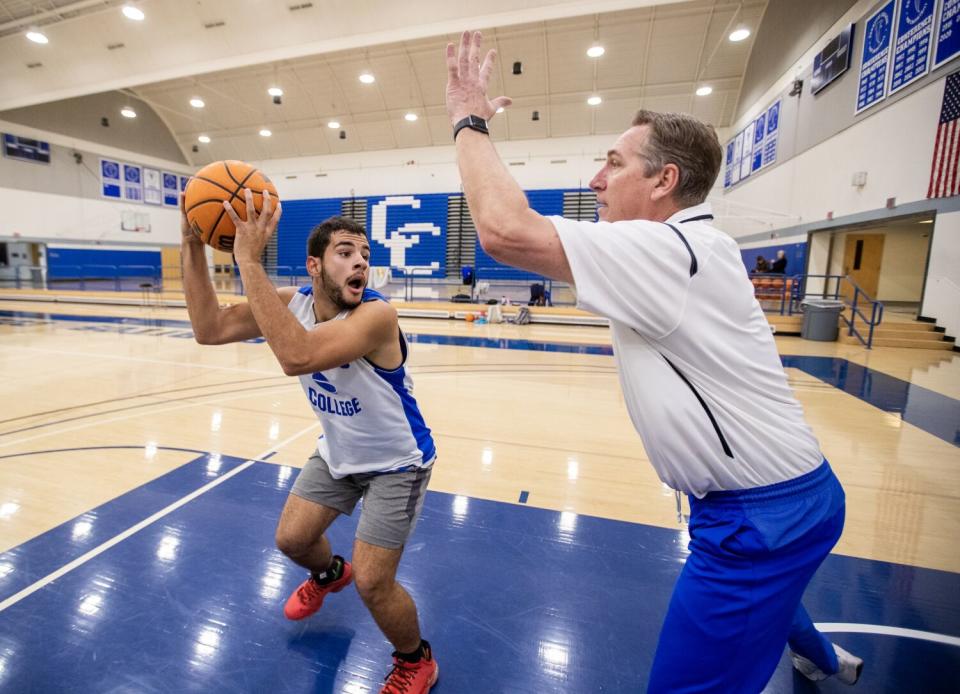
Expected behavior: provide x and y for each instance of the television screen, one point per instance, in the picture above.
(833, 60)
(25, 148)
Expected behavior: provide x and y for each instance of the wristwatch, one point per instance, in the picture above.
(474, 123)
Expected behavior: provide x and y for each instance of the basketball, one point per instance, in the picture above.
(210, 187)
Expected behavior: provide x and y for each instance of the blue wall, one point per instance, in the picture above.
(422, 231)
(422, 245)
(73, 263)
(796, 256)
(546, 202)
(299, 217)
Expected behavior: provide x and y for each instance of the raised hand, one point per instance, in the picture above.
(254, 232)
(468, 80)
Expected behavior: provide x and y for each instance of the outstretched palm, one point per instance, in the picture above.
(468, 80)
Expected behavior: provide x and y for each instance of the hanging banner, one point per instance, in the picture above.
(911, 47)
(746, 159)
(948, 32)
(875, 57)
(773, 132)
(759, 129)
(132, 183)
(170, 191)
(151, 187)
(727, 174)
(110, 186)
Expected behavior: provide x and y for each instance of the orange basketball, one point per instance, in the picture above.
(207, 190)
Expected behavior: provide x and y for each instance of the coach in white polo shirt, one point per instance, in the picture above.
(701, 377)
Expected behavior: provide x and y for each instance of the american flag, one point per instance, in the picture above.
(944, 180)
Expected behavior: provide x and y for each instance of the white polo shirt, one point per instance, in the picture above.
(700, 372)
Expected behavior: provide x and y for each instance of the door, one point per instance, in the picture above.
(861, 262)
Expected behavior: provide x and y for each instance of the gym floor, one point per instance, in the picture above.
(141, 477)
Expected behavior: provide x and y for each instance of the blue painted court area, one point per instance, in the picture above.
(513, 598)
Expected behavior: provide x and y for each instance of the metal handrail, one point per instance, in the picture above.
(876, 315)
(798, 292)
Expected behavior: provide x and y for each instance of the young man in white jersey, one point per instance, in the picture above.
(701, 377)
(344, 343)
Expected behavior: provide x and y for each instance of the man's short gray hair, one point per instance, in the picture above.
(677, 138)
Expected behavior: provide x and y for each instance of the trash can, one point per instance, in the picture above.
(821, 319)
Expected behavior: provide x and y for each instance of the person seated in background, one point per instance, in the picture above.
(762, 265)
(780, 264)
(539, 296)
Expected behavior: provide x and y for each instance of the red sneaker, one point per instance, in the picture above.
(308, 598)
(412, 678)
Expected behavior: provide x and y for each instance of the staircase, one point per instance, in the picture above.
(914, 334)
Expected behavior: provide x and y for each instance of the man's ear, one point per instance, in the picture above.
(668, 180)
(313, 266)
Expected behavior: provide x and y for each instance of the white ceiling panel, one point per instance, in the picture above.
(656, 54)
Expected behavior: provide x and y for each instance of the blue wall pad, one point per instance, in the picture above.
(73, 263)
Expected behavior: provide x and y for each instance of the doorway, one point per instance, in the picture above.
(862, 262)
(887, 259)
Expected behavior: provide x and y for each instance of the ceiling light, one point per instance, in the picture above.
(595, 51)
(594, 101)
(411, 117)
(37, 37)
(134, 13)
(333, 125)
(265, 133)
(205, 139)
(128, 112)
(739, 35)
(275, 91)
(926, 221)
(704, 91)
(367, 78)
(197, 102)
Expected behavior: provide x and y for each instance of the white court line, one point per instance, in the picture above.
(145, 360)
(141, 412)
(79, 561)
(844, 628)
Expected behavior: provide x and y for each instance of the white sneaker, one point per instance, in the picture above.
(850, 667)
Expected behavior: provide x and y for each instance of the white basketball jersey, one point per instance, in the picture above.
(371, 423)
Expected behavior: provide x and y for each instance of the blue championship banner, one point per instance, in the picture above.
(911, 48)
(727, 173)
(948, 32)
(170, 191)
(110, 185)
(875, 58)
(132, 183)
(759, 129)
(773, 132)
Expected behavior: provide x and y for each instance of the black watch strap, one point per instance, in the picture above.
(474, 123)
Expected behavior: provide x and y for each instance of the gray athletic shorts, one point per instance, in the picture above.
(391, 501)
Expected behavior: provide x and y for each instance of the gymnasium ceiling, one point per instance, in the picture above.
(228, 52)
